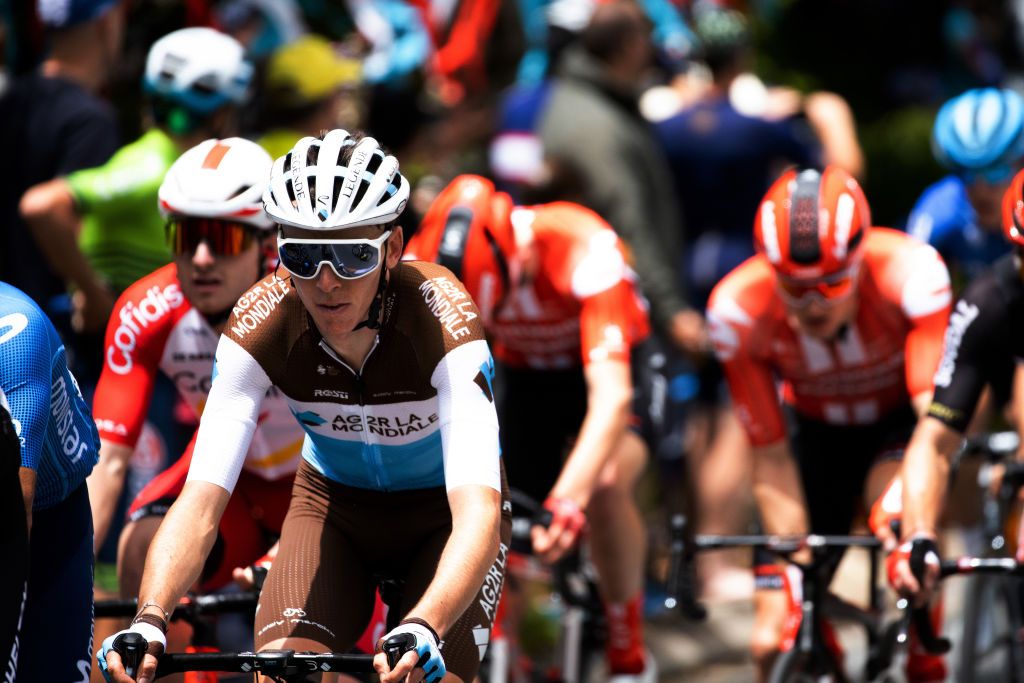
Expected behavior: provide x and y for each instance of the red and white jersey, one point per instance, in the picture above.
(581, 305)
(154, 327)
(886, 355)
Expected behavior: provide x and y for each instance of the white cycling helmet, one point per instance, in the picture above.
(312, 188)
(219, 179)
(199, 68)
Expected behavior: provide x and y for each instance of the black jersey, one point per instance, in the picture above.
(984, 341)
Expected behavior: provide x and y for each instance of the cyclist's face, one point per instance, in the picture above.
(822, 319)
(987, 200)
(212, 283)
(337, 305)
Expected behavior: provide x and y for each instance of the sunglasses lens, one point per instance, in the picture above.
(993, 175)
(224, 238)
(350, 261)
(828, 290)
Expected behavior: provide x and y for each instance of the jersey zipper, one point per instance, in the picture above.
(372, 454)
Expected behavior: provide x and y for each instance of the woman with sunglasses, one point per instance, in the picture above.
(849, 318)
(385, 367)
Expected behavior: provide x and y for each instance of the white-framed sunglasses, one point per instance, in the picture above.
(349, 259)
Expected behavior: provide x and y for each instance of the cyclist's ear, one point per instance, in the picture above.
(395, 244)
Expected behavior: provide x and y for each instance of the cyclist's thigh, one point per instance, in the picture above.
(540, 415)
(320, 586)
(834, 463)
(466, 641)
(56, 634)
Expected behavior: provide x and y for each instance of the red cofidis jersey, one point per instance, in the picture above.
(154, 328)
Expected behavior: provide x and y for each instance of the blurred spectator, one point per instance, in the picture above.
(100, 228)
(979, 135)
(53, 123)
(592, 129)
(308, 87)
(262, 26)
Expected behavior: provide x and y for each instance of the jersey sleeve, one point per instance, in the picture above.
(609, 305)
(750, 379)
(131, 356)
(464, 381)
(25, 378)
(463, 378)
(230, 416)
(971, 350)
(925, 299)
(131, 176)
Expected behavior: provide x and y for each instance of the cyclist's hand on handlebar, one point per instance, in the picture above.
(901, 575)
(411, 649)
(113, 668)
(567, 522)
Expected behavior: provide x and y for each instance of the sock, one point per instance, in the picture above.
(625, 647)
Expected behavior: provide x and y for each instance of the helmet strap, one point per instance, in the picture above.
(372, 321)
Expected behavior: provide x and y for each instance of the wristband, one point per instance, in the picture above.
(152, 620)
(424, 624)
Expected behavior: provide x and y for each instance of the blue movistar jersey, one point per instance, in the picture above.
(58, 438)
(943, 217)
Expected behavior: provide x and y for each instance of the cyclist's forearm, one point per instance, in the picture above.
(924, 474)
(467, 557)
(182, 543)
(778, 491)
(105, 484)
(27, 476)
(606, 421)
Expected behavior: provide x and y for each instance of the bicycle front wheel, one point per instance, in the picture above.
(990, 647)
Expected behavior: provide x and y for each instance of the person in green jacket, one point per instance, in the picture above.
(100, 228)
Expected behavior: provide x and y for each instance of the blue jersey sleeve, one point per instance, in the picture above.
(25, 378)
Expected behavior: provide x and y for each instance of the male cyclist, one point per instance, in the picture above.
(99, 227)
(849, 318)
(979, 135)
(559, 303)
(385, 366)
(58, 443)
(169, 322)
(984, 345)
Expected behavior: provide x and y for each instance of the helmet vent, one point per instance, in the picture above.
(364, 185)
(804, 243)
(392, 190)
(241, 190)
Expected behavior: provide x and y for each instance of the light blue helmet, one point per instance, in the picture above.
(980, 129)
(199, 68)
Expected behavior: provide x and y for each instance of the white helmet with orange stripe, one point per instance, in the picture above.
(219, 179)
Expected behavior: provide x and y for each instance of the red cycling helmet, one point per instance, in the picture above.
(468, 229)
(1013, 210)
(811, 227)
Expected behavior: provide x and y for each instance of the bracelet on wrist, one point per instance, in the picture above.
(150, 603)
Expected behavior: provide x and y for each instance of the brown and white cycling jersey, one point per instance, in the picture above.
(419, 413)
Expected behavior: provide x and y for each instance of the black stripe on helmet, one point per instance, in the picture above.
(804, 216)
